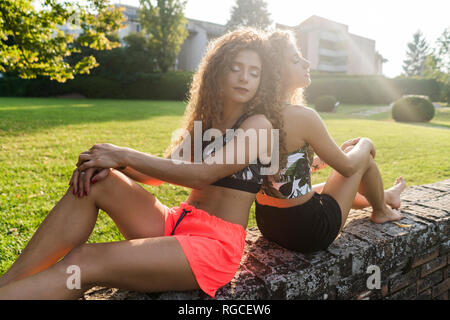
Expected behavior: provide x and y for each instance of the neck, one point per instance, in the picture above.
(231, 112)
(288, 94)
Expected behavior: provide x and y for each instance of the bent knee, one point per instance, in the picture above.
(113, 178)
(365, 164)
(84, 261)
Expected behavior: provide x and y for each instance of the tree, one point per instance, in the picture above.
(31, 44)
(249, 13)
(443, 51)
(164, 23)
(417, 52)
(437, 64)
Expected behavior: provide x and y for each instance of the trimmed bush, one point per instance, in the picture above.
(326, 104)
(413, 108)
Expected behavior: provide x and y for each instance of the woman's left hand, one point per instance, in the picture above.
(349, 143)
(103, 155)
(349, 148)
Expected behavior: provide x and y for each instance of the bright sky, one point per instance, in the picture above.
(391, 23)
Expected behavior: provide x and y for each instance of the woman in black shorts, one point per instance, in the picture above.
(288, 210)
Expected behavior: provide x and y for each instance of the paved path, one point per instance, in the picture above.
(382, 109)
(372, 111)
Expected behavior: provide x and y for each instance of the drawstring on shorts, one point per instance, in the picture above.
(183, 214)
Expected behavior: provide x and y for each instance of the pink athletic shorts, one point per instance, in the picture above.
(213, 246)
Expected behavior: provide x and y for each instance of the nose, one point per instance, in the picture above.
(243, 76)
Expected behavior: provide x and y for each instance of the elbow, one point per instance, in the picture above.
(350, 171)
(200, 182)
(351, 166)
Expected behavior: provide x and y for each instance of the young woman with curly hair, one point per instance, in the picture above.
(291, 212)
(198, 244)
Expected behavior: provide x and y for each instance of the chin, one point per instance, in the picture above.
(241, 100)
(305, 84)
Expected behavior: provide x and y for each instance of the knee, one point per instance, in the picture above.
(104, 185)
(81, 261)
(366, 163)
(370, 162)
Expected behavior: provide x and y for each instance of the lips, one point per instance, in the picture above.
(241, 90)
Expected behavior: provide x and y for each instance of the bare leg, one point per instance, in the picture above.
(68, 225)
(391, 195)
(369, 183)
(146, 265)
(136, 212)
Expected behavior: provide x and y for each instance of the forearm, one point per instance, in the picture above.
(140, 177)
(183, 173)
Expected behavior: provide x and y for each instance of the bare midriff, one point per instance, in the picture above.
(228, 204)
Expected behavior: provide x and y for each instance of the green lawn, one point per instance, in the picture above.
(40, 140)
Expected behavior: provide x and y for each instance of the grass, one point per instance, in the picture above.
(40, 140)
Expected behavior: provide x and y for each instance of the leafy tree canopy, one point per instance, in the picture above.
(31, 44)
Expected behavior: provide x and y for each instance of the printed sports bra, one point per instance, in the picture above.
(295, 179)
(248, 179)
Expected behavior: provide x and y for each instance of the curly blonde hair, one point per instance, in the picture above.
(205, 101)
(279, 42)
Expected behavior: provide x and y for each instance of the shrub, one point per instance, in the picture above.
(413, 108)
(326, 103)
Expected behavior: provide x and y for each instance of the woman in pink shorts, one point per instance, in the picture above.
(198, 244)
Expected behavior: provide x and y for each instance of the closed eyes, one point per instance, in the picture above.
(253, 72)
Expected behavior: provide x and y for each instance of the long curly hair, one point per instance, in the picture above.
(279, 42)
(205, 102)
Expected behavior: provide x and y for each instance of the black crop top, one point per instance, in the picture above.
(248, 179)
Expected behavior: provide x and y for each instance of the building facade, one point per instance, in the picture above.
(331, 48)
(326, 44)
(195, 45)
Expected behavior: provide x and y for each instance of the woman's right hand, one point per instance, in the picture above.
(81, 181)
(370, 144)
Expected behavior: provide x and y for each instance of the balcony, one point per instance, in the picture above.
(331, 68)
(330, 36)
(333, 53)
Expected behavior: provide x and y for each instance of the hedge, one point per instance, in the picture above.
(155, 86)
(175, 85)
(371, 89)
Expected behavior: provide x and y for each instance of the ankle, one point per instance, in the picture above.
(381, 210)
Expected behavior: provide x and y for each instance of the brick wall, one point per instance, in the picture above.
(413, 260)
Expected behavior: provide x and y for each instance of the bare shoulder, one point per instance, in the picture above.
(257, 121)
(297, 112)
(297, 119)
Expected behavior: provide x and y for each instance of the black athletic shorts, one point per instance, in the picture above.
(309, 227)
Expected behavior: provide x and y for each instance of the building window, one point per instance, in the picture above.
(138, 27)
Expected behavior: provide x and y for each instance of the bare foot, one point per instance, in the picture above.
(392, 195)
(385, 215)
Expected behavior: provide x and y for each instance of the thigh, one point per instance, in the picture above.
(145, 265)
(136, 212)
(343, 190)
